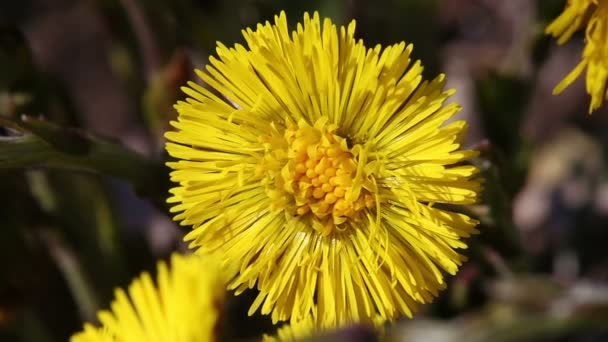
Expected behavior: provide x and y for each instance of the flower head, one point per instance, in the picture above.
(594, 14)
(308, 329)
(293, 332)
(184, 306)
(320, 168)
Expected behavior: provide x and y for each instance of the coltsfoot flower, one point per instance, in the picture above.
(594, 15)
(184, 305)
(319, 170)
(292, 332)
(308, 329)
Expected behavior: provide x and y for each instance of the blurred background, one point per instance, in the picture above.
(86, 89)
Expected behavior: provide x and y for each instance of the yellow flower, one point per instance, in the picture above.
(184, 306)
(320, 168)
(594, 14)
(308, 329)
(293, 332)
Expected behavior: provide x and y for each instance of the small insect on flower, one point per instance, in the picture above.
(319, 169)
(594, 15)
(184, 305)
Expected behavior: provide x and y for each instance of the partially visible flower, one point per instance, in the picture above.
(308, 329)
(322, 170)
(593, 14)
(183, 306)
(296, 331)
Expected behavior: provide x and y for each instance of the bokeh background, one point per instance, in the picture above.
(86, 89)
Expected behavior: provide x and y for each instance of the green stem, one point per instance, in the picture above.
(48, 146)
(84, 295)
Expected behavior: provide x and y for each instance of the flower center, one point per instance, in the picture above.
(319, 177)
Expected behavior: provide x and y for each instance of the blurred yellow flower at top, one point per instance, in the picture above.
(593, 14)
(320, 168)
(183, 306)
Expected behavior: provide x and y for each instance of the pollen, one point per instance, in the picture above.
(319, 177)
